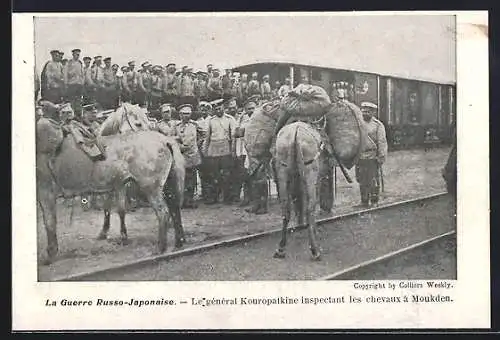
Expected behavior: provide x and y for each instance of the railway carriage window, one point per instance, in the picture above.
(316, 75)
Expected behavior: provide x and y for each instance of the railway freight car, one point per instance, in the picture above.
(416, 111)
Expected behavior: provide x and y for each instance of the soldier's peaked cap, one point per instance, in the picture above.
(54, 52)
(76, 50)
(252, 99)
(146, 64)
(204, 104)
(369, 105)
(87, 58)
(124, 68)
(171, 65)
(98, 57)
(165, 107)
(130, 63)
(107, 59)
(182, 106)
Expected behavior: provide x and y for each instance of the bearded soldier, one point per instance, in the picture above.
(372, 157)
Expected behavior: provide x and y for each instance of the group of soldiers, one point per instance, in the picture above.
(206, 112)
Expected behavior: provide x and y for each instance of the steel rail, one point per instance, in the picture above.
(385, 257)
(236, 240)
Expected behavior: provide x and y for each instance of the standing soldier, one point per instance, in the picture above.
(98, 79)
(254, 86)
(275, 90)
(241, 151)
(74, 80)
(265, 88)
(166, 125)
(285, 88)
(131, 78)
(210, 68)
(124, 89)
(143, 85)
(118, 85)
(200, 87)
(188, 132)
(219, 151)
(214, 86)
(226, 83)
(243, 88)
(372, 157)
(170, 85)
(52, 79)
(89, 86)
(156, 88)
(186, 87)
(204, 114)
(109, 92)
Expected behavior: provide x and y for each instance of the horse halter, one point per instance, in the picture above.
(125, 116)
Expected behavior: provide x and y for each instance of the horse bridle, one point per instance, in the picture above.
(128, 120)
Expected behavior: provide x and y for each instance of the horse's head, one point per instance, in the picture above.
(133, 118)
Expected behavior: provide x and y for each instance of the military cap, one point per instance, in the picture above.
(76, 50)
(65, 107)
(156, 67)
(209, 65)
(54, 52)
(146, 64)
(171, 65)
(255, 74)
(217, 102)
(182, 106)
(89, 107)
(166, 106)
(98, 57)
(252, 99)
(189, 69)
(229, 99)
(177, 73)
(216, 70)
(131, 63)
(87, 58)
(124, 68)
(204, 104)
(61, 53)
(369, 105)
(107, 59)
(266, 76)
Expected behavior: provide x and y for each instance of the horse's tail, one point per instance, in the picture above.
(175, 181)
(300, 165)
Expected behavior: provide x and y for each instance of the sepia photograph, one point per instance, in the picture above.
(199, 156)
(251, 148)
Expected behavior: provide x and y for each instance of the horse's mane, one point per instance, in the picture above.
(111, 125)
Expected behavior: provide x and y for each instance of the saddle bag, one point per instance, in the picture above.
(259, 131)
(306, 101)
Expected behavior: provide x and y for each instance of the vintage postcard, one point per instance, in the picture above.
(250, 171)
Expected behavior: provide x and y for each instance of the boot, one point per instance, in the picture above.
(262, 199)
(253, 198)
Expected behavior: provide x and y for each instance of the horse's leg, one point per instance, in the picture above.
(174, 205)
(47, 201)
(285, 201)
(309, 211)
(122, 208)
(103, 234)
(159, 205)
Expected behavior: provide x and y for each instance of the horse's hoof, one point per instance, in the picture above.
(316, 257)
(279, 254)
(179, 244)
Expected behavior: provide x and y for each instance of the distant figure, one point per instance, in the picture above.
(285, 88)
(52, 79)
(372, 157)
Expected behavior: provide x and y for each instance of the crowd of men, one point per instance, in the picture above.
(206, 111)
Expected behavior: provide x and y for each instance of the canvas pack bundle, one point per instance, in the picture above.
(345, 131)
(259, 131)
(308, 101)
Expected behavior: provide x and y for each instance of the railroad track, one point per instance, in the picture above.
(160, 259)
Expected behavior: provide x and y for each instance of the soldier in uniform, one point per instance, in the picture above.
(276, 88)
(226, 83)
(89, 86)
(254, 86)
(74, 80)
(170, 85)
(200, 87)
(214, 86)
(166, 125)
(98, 79)
(188, 132)
(124, 89)
(109, 96)
(265, 88)
(186, 87)
(204, 114)
(156, 88)
(285, 88)
(130, 78)
(210, 68)
(144, 85)
(372, 157)
(241, 152)
(219, 151)
(243, 88)
(52, 79)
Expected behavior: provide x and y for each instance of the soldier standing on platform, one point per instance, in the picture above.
(144, 85)
(170, 85)
(74, 80)
(226, 83)
(372, 157)
(131, 78)
(219, 152)
(210, 68)
(156, 88)
(98, 79)
(265, 88)
(254, 86)
(124, 89)
(243, 88)
(214, 86)
(188, 132)
(108, 99)
(200, 87)
(118, 84)
(186, 87)
(52, 79)
(89, 86)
